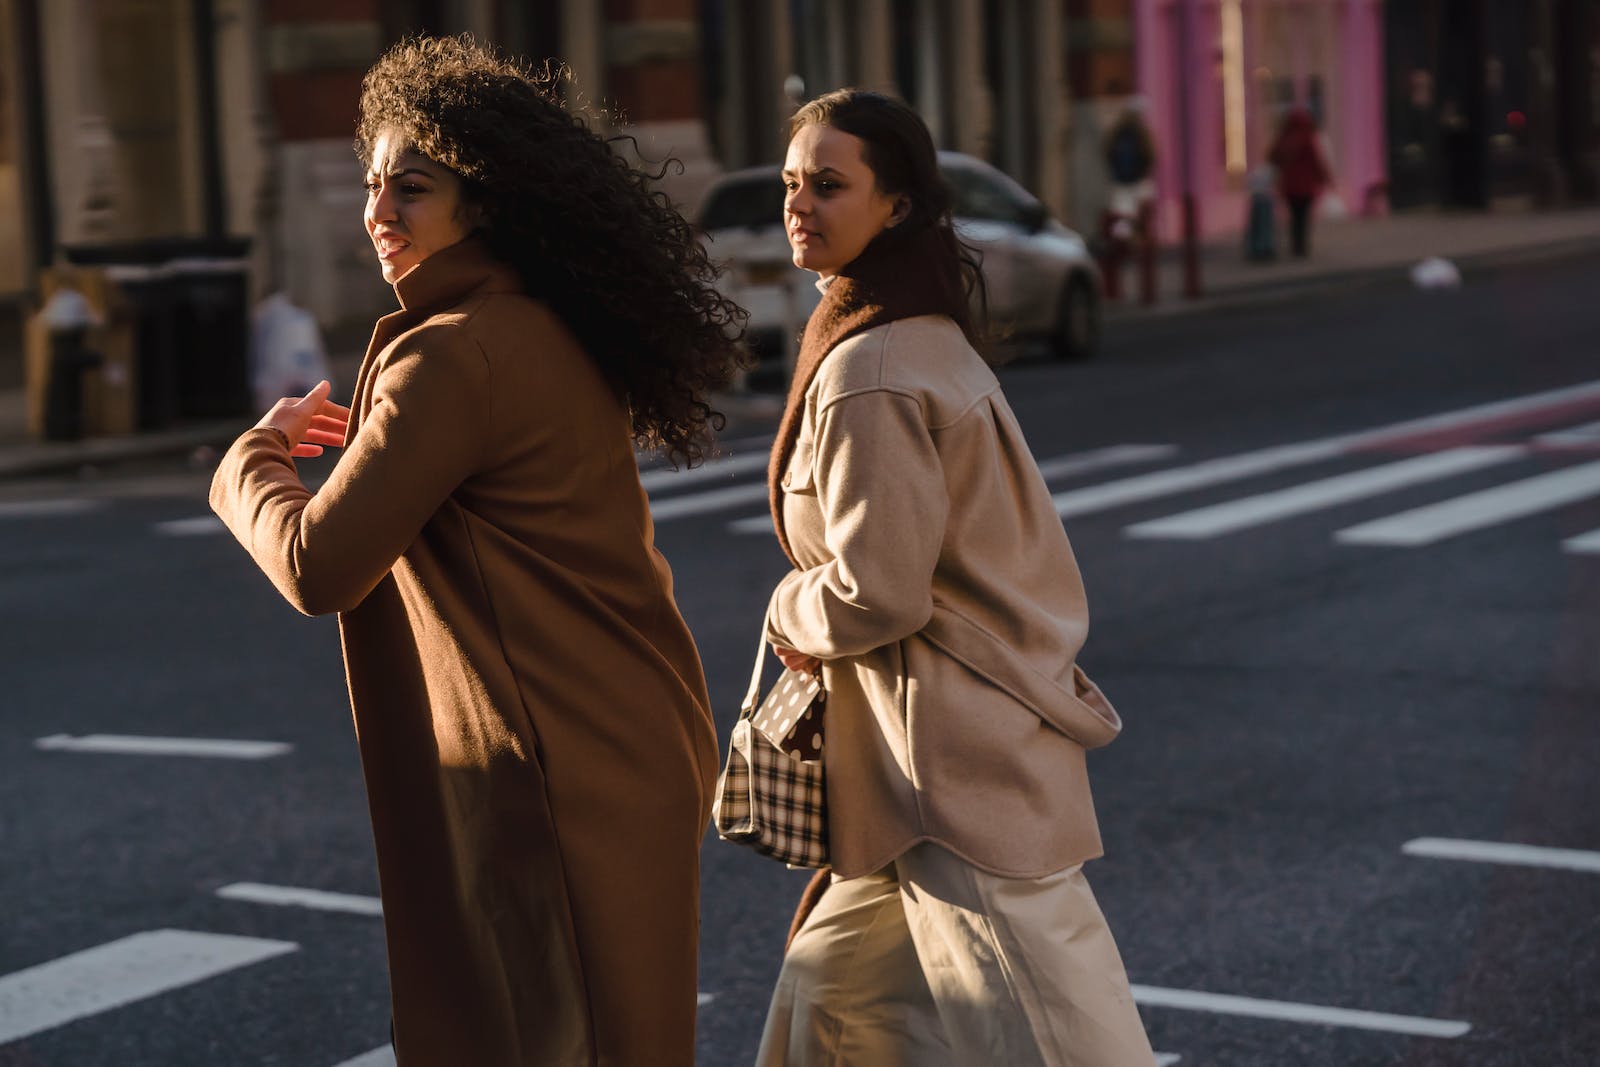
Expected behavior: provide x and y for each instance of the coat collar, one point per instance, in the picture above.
(445, 278)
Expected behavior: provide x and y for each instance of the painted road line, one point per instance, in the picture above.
(1201, 475)
(1475, 511)
(1068, 466)
(1444, 848)
(1323, 493)
(1166, 1059)
(1488, 420)
(292, 897)
(666, 478)
(1583, 544)
(120, 973)
(1102, 458)
(702, 999)
(48, 509)
(199, 526)
(1288, 1011)
(733, 496)
(123, 745)
(1282, 457)
(1587, 434)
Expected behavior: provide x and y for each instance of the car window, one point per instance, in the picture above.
(978, 196)
(747, 203)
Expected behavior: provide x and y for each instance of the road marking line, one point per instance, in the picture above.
(1101, 458)
(702, 999)
(1323, 493)
(120, 744)
(1059, 467)
(1444, 848)
(666, 478)
(120, 973)
(45, 509)
(295, 897)
(1287, 1011)
(1201, 475)
(199, 526)
(1583, 544)
(679, 507)
(1475, 511)
(1166, 1059)
(1280, 457)
(1588, 433)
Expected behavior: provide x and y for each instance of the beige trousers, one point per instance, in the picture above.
(931, 962)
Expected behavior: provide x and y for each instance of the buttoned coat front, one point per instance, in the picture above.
(938, 587)
(529, 705)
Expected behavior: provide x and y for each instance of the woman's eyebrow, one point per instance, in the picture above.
(815, 173)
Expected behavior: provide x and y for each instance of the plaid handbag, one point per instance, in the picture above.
(770, 796)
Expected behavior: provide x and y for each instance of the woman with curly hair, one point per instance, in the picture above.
(529, 705)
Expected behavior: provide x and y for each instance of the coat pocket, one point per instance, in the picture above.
(798, 475)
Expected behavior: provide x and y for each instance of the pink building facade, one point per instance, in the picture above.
(1216, 76)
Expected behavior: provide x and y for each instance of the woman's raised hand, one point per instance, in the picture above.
(309, 422)
(797, 661)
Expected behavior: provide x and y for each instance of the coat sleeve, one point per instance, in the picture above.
(881, 487)
(424, 434)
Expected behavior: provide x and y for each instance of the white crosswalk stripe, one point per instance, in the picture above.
(198, 526)
(1583, 544)
(122, 972)
(1323, 493)
(295, 897)
(126, 745)
(1289, 1011)
(1208, 473)
(1072, 465)
(48, 509)
(1444, 848)
(1477, 511)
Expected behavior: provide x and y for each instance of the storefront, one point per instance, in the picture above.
(1493, 102)
(1217, 76)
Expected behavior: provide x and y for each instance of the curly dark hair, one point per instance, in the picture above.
(589, 235)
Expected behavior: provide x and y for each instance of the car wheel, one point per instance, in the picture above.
(1077, 334)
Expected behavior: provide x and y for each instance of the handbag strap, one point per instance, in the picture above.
(749, 706)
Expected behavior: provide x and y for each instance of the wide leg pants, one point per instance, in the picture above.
(931, 962)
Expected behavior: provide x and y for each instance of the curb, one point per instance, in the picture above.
(32, 459)
(1395, 272)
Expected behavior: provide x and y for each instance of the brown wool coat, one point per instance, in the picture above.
(529, 705)
(938, 586)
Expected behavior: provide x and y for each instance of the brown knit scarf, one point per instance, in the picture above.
(899, 276)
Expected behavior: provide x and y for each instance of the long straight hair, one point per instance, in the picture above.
(904, 162)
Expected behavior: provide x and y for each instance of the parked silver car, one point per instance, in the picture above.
(1043, 283)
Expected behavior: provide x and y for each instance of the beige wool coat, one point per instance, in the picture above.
(529, 705)
(939, 589)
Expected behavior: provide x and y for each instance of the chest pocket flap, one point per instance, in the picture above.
(798, 474)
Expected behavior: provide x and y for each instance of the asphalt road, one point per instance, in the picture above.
(1315, 674)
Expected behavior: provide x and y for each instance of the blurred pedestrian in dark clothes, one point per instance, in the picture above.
(1302, 173)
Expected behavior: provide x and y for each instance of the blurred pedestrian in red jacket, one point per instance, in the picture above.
(1302, 173)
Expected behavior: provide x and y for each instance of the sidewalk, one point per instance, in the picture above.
(1351, 249)
(1343, 251)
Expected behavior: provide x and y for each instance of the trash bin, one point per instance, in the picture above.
(190, 302)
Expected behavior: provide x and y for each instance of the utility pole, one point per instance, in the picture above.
(1187, 11)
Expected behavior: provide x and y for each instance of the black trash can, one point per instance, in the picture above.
(191, 301)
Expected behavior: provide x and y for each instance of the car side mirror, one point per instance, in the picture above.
(1034, 217)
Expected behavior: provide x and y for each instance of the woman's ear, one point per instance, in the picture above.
(902, 210)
